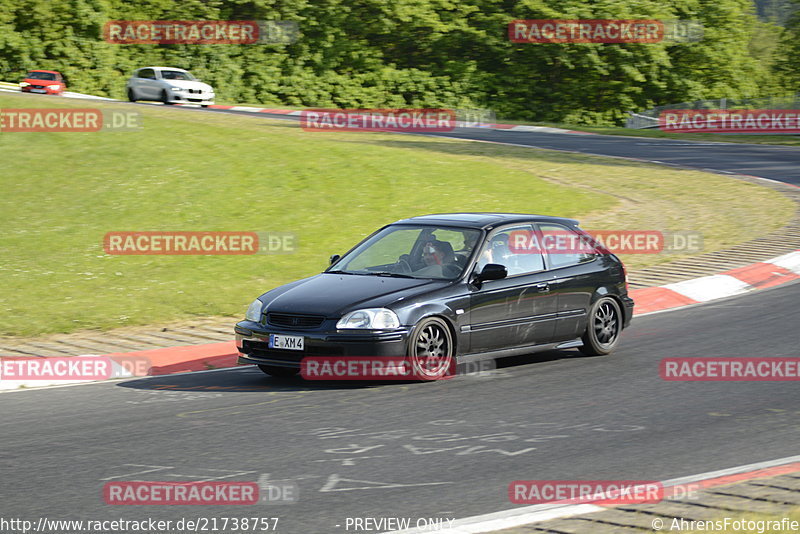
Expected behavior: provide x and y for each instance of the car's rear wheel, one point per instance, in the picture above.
(279, 372)
(605, 325)
(131, 95)
(431, 350)
(165, 97)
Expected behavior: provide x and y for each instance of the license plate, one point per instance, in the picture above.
(279, 341)
(38, 91)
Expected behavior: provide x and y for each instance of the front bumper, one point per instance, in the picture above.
(183, 97)
(40, 90)
(252, 342)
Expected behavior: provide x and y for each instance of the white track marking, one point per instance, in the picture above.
(790, 261)
(115, 380)
(708, 288)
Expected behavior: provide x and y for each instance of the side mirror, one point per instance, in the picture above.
(492, 271)
(335, 258)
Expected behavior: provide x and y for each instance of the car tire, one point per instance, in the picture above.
(279, 372)
(603, 328)
(165, 98)
(431, 351)
(131, 95)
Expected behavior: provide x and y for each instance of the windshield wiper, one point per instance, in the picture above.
(372, 273)
(359, 273)
(393, 275)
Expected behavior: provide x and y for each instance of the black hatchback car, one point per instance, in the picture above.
(446, 288)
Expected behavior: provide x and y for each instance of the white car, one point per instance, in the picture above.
(170, 86)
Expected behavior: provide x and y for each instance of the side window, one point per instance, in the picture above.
(509, 247)
(147, 73)
(564, 246)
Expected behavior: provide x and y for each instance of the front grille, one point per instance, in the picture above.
(195, 91)
(260, 349)
(288, 320)
(37, 86)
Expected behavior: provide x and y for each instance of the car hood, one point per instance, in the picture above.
(332, 295)
(189, 84)
(36, 81)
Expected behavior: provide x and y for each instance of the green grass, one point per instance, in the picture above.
(193, 170)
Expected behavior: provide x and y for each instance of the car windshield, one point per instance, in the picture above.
(408, 251)
(38, 75)
(176, 75)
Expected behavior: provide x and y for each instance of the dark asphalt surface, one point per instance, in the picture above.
(775, 162)
(421, 450)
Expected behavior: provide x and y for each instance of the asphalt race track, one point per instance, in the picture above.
(775, 162)
(446, 449)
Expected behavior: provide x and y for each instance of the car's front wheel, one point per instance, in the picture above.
(279, 372)
(165, 97)
(431, 350)
(131, 95)
(605, 325)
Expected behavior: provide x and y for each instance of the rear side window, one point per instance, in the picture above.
(564, 246)
(147, 73)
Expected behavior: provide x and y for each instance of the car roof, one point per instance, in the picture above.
(167, 68)
(482, 220)
(42, 70)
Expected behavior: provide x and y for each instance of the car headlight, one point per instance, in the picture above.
(254, 311)
(176, 88)
(370, 318)
(24, 84)
(53, 87)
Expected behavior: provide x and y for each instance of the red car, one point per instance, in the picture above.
(47, 82)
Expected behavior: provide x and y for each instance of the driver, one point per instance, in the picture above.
(436, 255)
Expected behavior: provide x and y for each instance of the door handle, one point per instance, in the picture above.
(542, 287)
